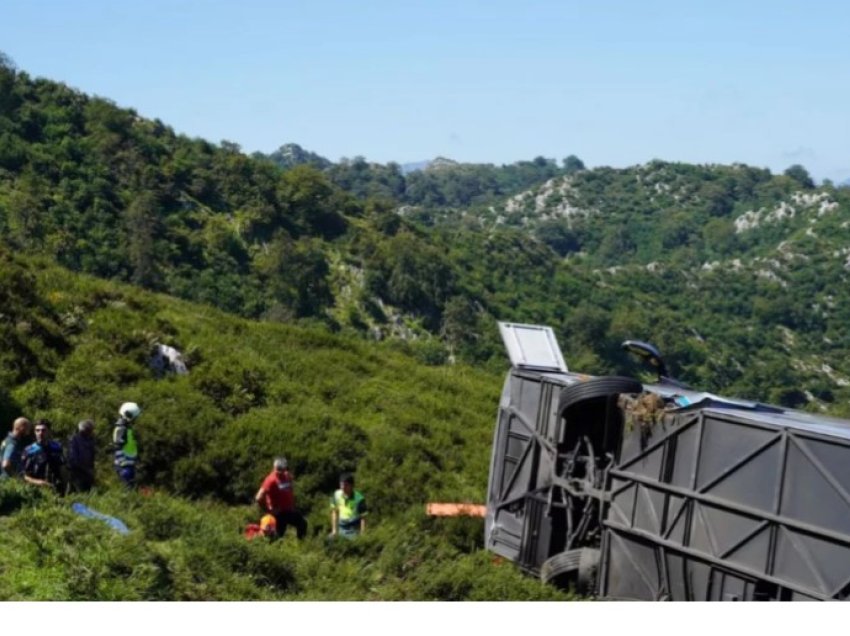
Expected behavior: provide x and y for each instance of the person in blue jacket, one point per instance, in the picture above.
(44, 461)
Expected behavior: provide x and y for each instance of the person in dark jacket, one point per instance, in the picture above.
(44, 461)
(81, 453)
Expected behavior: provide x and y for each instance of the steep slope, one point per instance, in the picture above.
(105, 192)
(752, 301)
(255, 390)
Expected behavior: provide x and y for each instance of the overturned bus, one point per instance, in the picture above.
(626, 490)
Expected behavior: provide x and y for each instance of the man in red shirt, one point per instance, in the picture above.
(277, 497)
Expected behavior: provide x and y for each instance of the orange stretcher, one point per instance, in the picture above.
(455, 510)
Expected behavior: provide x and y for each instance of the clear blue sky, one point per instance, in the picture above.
(616, 83)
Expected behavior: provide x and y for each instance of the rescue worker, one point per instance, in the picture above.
(44, 461)
(348, 509)
(81, 454)
(124, 443)
(266, 528)
(12, 448)
(276, 496)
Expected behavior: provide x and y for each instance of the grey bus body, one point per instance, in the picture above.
(657, 492)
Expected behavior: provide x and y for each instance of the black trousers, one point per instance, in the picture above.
(81, 481)
(292, 518)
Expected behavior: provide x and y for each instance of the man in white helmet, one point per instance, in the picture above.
(124, 443)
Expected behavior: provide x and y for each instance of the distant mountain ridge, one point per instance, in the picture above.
(440, 182)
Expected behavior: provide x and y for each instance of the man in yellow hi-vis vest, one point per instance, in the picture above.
(124, 443)
(348, 509)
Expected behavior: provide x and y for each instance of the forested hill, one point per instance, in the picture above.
(738, 274)
(441, 183)
(105, 192)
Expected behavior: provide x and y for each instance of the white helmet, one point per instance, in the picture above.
(129, 410)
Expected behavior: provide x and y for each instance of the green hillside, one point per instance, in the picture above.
(76, 347)
(737, 273)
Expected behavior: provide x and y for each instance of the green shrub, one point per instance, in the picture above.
(15, 494)
(235, 384)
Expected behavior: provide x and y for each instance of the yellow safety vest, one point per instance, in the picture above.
(350, 509)
(129, 452)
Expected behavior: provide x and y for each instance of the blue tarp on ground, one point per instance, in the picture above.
(112, 522)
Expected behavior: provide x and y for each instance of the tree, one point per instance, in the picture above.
(558, 235)
(230, 146)
(6, 61)
(141, 222)
(297, 275)
(800, 175)
(719, 197)
(26, 214)
(459, 323)
(677, 230)
(617, 245)
(573, 164)
(719, 237)
(383, 216)
(7, 83)
(311, 200)
(413, 275)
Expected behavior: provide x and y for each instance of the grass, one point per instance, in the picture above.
(194, 550)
